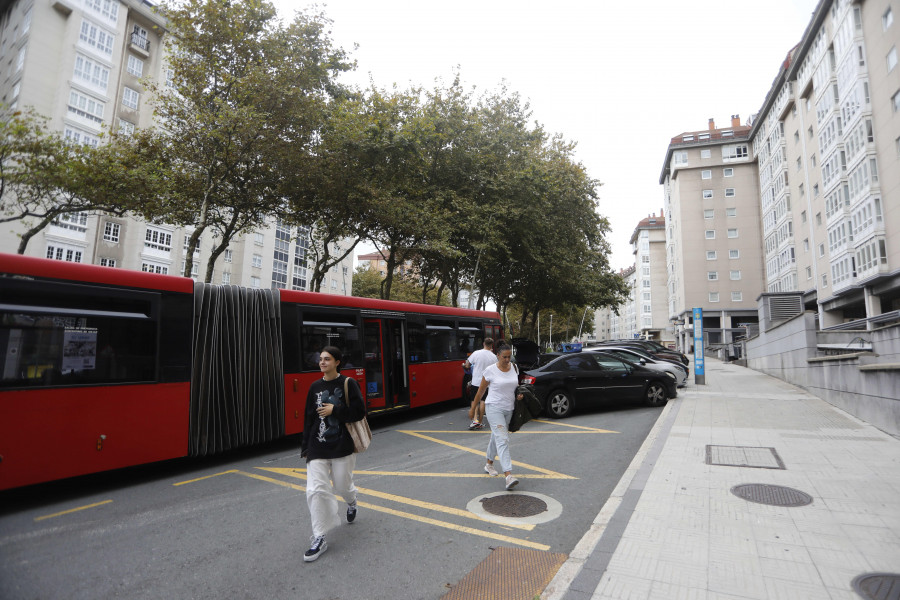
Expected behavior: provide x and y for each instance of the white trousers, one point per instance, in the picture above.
(320, 491)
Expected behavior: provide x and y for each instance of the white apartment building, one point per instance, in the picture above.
(827, 141)
(624, 324)
(713, 239)
(648, 244)
(80, 63)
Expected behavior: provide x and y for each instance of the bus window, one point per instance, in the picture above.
(440, 341)
(470, 338)
(330, 329)
(44, 346)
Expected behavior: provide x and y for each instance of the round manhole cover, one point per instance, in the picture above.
(514, 505)
(878, 586)
(774, 495)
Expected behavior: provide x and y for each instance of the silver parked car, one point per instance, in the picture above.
(635, 355)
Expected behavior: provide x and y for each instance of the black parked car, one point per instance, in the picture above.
(577, 379)
(653, 348)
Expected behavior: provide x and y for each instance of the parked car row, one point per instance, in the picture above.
(618, 370)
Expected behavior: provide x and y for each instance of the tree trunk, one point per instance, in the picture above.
(26, 237)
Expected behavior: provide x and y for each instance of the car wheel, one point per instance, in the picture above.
(656, 394)
(559, 404)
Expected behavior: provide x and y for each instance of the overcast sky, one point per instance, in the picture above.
(619, 78)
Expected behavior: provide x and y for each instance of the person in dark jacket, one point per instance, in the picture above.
(328, 448)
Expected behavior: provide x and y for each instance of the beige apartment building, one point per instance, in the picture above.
(648, 244)
(713, 239)
(827, 141)
(81, 64)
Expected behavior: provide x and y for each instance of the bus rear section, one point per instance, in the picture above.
(96, 369)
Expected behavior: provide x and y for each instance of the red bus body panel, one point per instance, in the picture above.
(434, 382)
(320, 299)
(52, 434)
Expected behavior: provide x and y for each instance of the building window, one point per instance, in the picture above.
(256, 261)
(806, 245)
(157, 239)
(687, 138)
(135, 66)
(803, 217)
(703, 137)
(732, 233)
(139, 38)
(809, 132)
(710, 234)
(126, 127)
(130, 98)
(63, 252)
(712, 275)
(895, 101)
(730, 212)
(821, 249)
(797, 137)
(706, 174)
(737, 297)
(85, 107)
(729, 192)
(887, 19)
(825, 280)
(709, 213)
(734, 152)
(802, 190)
(818, 218)
(111, 232)
(226, 278)
(150, 267)
(254, 282)
(728, 172)
(108, 262)
(229, 255)
(815, 190)
(808, 272)
(705, 153)
(96, 38)
(812, 160)
(680, 158)
(91, 73)
(892, 59)
(735, 275)
(714, 296)
(710, 255)
(734, 254)
(258, 239)
(77, 136)
(707, 194)
(108, 9)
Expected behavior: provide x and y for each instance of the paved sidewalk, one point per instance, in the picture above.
(673, 529)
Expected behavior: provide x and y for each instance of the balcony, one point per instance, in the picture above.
(140, 44)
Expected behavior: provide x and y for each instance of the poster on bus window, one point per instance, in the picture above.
(79, 350)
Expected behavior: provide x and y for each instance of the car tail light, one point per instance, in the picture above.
(528, 379)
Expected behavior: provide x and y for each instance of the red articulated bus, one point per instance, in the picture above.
(106, 368)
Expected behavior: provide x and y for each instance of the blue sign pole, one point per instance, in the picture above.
(699, 367)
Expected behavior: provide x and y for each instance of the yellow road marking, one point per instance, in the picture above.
(455, 475)
(587, 429)
(403, 499)
(427, 520)
(71, 510)
(555, 474)
(202, 478)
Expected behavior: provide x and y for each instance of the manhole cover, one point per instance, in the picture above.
(514, 505)
(774, 495)
(878, 586)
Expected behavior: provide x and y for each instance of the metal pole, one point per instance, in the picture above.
(582, 323)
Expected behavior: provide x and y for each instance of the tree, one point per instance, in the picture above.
(366, 282)
(247, 91)
(45, 178)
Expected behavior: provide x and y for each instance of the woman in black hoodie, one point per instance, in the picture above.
(328, 448)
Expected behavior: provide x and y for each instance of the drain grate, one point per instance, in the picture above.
(878, 586)
(514, 505)
(743, 456)
(774, 495)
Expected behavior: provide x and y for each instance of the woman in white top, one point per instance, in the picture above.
(499, 381)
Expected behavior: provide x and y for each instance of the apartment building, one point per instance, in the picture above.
(827, 141)
(624, 324)
(713, 241)
(648, 244)
(80, 63)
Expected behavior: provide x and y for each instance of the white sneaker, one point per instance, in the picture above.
(511, 482)
(317, 548)
(490, 470)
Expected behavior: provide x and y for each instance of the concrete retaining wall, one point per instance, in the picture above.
(865, 384)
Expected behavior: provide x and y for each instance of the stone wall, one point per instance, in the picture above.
(865, 383)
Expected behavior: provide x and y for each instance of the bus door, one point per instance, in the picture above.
(387, 383)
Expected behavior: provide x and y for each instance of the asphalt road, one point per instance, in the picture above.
(237, 526)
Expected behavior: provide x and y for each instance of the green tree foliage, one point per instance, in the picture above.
(44, 177)
(248, 97)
